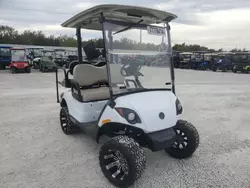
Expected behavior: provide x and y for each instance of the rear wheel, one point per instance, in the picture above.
(122, 161)
(67, 125)
(186, 142)
(214, 69)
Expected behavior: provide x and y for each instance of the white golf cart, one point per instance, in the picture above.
(132, 103)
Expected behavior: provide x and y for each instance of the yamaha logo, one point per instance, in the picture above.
(161, 115)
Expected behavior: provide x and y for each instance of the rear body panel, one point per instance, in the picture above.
(83, 112)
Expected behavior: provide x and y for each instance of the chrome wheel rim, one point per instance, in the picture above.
(116, 164)
(182, 140)
(64, 122)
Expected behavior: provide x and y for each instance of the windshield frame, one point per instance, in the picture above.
(5, 49)
(13, 51)
(137, 26)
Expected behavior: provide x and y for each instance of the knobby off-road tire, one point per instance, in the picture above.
(122, 161)
(187, 140)
(67, 125)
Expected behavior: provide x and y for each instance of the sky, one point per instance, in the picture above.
(212, 23)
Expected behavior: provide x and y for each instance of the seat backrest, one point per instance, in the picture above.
(87, 74)
(116, 76)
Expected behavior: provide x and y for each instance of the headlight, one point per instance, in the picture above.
(178, 107)
(131, 116)
(128, 114)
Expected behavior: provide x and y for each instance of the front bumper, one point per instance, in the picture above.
(160, 140)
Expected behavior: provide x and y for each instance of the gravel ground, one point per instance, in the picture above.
(34, 153)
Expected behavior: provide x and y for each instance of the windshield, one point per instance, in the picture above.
(4, 52)
(59, 54)
(48, 53)
(185, 57)
(197, 57)
(207, 57)
(137, 57)
(37, 52)
(18, 55)
(244, 58)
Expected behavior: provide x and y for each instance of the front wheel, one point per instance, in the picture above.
(122, 161)
(186, 142)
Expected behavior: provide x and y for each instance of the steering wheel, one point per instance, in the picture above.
(72, 66)
(129, 69)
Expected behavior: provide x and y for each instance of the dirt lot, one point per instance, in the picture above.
(34, 153)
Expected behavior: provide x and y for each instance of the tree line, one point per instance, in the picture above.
(8, 35)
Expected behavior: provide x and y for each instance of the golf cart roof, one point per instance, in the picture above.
(48, 51)
(5, 46)
(201, 52)
(34, 48)
(241, 53)
(57, 50)
(225, 53)
(176, 51)
(89, 19)
(15, 48)
(186, 53)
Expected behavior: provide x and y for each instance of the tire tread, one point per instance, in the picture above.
(136, 155)
(191, 148)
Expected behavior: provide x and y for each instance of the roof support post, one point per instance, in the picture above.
(171, 58)
(79, 44)
(102, 19)
(110, 47)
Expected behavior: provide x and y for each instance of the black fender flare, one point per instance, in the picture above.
(63, 103)
(111, 129)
